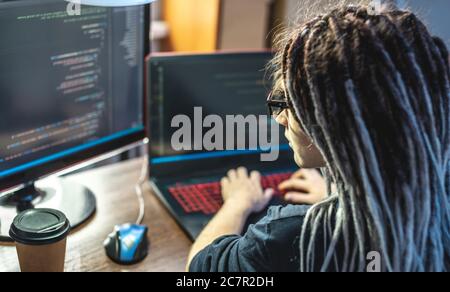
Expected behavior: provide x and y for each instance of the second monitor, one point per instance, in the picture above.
(71, 88)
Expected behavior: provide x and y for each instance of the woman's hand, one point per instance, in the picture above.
(241, 190)
(242, 194)
(306, 186)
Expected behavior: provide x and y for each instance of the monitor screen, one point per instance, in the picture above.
(68, 84)
(217, 85)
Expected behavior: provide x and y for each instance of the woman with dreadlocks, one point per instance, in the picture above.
(366, 97)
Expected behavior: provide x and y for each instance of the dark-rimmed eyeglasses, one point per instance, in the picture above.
(276, 104)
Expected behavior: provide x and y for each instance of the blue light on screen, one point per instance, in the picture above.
(207, 155)
(70, 151)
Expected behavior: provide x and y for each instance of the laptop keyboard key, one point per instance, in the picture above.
(206, 198)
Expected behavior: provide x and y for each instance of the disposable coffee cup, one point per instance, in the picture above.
(40, 236)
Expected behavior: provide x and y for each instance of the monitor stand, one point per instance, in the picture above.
(74, 200)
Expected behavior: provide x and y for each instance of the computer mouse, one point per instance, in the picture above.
(128, 244)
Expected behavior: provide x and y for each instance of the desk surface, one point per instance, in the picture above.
(117, 204)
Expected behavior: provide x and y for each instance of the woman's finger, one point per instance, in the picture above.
(255, 176)
(242, 172)
(294, 184)
(224, 182)
(232, 174)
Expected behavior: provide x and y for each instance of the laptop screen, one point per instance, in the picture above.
(209, 106)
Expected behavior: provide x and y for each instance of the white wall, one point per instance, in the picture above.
(298, 11)
(435, 13)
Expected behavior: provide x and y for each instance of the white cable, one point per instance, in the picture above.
(139, 192)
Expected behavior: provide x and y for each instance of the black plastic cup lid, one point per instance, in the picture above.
(39, 227)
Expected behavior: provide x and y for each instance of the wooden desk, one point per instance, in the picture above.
(117, 204)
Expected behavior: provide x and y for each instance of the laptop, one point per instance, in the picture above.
(193, 101)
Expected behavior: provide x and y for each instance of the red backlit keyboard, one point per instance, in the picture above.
(207, 197)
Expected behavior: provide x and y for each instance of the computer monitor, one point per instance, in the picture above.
(221, 84)
(71, 89)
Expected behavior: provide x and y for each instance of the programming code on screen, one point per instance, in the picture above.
(67, 81)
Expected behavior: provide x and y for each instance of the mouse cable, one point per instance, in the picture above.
(139, 192)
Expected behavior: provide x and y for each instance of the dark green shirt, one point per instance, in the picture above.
(271, 245)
